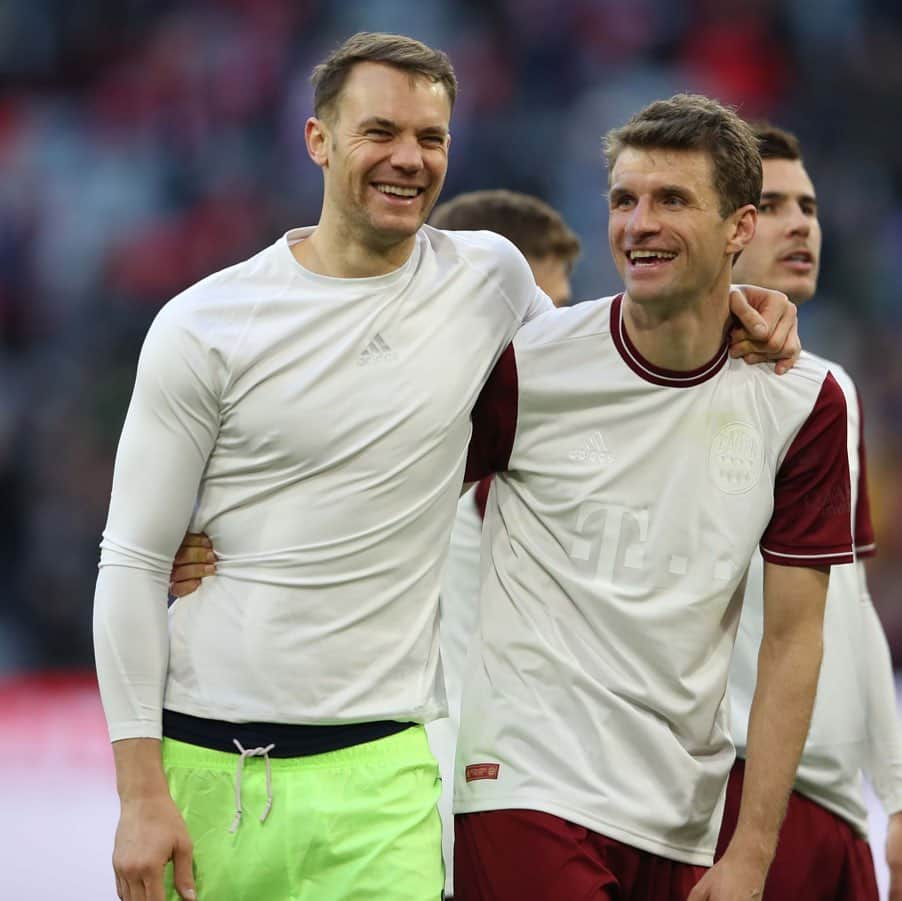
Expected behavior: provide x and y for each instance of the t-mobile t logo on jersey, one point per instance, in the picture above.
(616, 546)
(606, 541)
(593, 450)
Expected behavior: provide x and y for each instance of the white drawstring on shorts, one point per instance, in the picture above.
(251, 752)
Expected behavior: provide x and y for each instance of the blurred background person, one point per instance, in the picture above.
(138, 132)
(538, 230)
(823, 852)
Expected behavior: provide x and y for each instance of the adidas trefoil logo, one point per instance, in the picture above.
(376, 351)
(593, 451)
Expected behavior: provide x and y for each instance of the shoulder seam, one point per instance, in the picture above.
(544, 339)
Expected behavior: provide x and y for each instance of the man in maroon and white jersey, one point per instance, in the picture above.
(639, 467)
(823, 852)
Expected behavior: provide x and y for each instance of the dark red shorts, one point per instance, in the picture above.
(819, 856)
(525, 855)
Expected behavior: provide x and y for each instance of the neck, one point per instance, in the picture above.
(334, 250)
(678, 336)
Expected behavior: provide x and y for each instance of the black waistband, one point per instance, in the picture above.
(290, 740)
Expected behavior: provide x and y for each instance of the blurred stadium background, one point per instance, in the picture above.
(146, 143)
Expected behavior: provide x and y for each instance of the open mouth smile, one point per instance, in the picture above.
(649, 259)
(398, 194)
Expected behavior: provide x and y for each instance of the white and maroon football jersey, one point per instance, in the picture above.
(617, 536)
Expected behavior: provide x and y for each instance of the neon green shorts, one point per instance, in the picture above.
(358, 824)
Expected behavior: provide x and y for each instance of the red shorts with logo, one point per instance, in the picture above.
(819, 856)
(526, 855)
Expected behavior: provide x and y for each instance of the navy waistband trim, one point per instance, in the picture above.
(290, 740)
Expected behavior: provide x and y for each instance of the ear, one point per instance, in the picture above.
(742, 228)
(316, 137)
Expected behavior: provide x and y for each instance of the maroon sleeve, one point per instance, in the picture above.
(494, 420)
(812, 520)
(865, 544)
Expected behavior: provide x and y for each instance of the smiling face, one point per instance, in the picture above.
(669, 241)
(384, 154)
(785, 253)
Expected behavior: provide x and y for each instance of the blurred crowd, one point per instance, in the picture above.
(146, 143)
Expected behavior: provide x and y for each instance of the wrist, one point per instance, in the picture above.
(143, 794)
(753, 848)
(139, 770)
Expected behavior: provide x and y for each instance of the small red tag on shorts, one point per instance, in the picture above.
(482, 771)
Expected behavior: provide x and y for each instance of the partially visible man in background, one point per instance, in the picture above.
(538, 230)
(823, 852)
(551, 249)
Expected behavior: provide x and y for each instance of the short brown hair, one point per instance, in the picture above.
(695, 122)
(536, 228)
(407, 54)
(775, 143)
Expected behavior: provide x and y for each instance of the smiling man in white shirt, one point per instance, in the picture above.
(309, 409)
(638, 468)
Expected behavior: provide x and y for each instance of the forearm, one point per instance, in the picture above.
(788, 669)
(131, 647)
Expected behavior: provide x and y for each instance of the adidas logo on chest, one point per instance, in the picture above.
(377, 350)
(593, 451)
